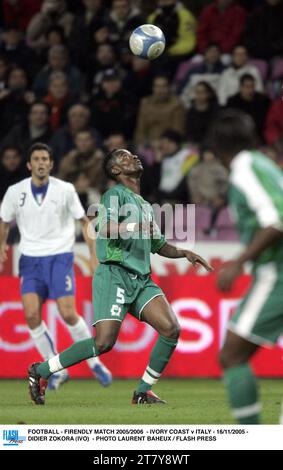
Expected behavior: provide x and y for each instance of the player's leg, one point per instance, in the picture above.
(40, 334)
(38, 330)
(109, 311)
(239, 378)
(106, 335)
(34, 292)
(79, 330)
(258, 320)
(159, 314)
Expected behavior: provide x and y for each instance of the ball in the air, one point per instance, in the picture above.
(147, 41)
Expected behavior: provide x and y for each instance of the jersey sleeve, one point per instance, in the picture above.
(263, 194)
(74, 204)
(109, 208)
(8, 207)
(157, 239)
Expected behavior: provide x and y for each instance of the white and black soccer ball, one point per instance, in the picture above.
(147, 41)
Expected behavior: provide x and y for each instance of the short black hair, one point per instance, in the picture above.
(240, 45)
(246, 78)
(172, 135)
(212, 44)
(210, 90)
(39, 146)
(231, 132)
(10, 147)
(40, 103)
(109, 161)
(56, 28)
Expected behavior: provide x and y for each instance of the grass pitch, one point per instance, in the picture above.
(86, 402)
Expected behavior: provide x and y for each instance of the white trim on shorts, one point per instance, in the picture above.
(147, 302)
(107, 319)
(255, 339)
(258, 295)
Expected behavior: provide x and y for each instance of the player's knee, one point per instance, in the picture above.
(229, 358)
(172, 331)
(69, 315)
(104, 345)
(33, 318)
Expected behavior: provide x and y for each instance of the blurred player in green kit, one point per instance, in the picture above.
(256, 196)
(122, 282)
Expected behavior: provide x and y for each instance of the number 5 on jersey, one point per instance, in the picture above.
(120, 299)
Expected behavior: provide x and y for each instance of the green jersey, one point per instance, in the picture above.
(256, 198)
(131, 250)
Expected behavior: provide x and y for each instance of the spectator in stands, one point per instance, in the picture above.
(105, 58)
(139, 77)
(222, 23)
(209, 71)
(274, 125)
(208, 185)
(99, 35)
(15, 50)
(94, 11)
(15, 100)
(52, 12)
(124, 17)
(113, 109)
(201, 113)
(251, 102)
(264, 33)
(157, 111)
(20, 12)
(12, 168)
(63, 140)
(208, 181)
(55, 36)
(176, 162)
(58, 61)
(179, 27)
(58, 98)
(115, 141)
(35, 129)
(86, 158)
(230, 78)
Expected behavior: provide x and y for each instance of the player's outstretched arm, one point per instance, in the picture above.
(170, 251)
(4, 232)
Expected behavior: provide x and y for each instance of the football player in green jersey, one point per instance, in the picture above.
(256, 197)
(122, 282)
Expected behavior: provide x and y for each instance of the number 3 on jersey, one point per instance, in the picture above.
(120, 299)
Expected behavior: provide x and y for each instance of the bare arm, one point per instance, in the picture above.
(170, 251)
(4, 232)
(263, 239)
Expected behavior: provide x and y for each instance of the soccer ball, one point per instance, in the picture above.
(147, 41)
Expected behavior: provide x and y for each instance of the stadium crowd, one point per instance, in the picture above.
(68, 78)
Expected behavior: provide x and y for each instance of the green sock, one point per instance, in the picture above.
(159, 358)
(243, 394)
(76, 353)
